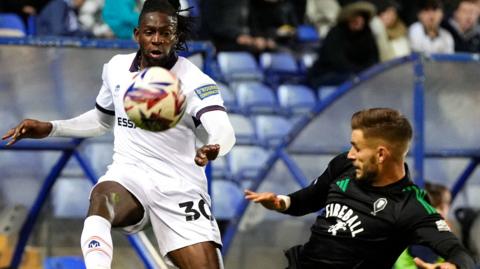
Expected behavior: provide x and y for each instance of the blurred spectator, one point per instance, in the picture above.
(91, 20)
(121, 16)
(396, 30)
(322, 14)
(439, 197)
(464, 27)
(426, 35)
(273, 19)
(227, 24)
(59, 18)
(348, 48)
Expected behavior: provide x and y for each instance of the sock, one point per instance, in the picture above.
(96, 243)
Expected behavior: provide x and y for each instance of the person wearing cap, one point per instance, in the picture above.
(349, 47)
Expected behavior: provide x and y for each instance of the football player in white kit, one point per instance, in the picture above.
(155, 177)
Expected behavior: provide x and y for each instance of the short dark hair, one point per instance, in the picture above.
(429, 5)
(384, 123)
(171, 8)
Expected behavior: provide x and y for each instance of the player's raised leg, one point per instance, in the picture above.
(111, 205)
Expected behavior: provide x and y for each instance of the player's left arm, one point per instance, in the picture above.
(435, 233)
(221, 136)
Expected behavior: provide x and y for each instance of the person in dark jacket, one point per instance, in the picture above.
(464, 27)
(348, 48)
(371, 209)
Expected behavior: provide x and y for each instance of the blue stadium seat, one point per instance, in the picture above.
(307, 33)
(255, 97)
(244, 129)
(12, 25)
(325, 91)
(296, 99)
(228, 96)
(220, 169)
(307, 59)
(246, 161)
(238, 66)
(226, 196)
(279, 67)
(67, 262)
(270, 129)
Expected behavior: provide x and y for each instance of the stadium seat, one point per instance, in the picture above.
(280, 67)
(226, 196)
(325, 91)
(255, 97)
(296, 99)
(270, 129)
(67, 262)
(306, 60)
(12, 25)
(238, 66)
(228, 96)
(246, 161)
(220, 169)
(244, 129)
(307, 33)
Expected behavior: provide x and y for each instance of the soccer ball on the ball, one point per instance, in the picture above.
(154, 101)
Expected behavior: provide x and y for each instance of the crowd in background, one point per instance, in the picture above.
(353, 35)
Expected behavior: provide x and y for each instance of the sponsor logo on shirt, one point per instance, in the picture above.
(442, 226)
(124, 122)
(346, 219)
(379, 205)
(207, 91)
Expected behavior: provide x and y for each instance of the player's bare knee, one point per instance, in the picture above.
(103, 204)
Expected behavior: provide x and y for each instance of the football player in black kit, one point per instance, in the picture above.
(372, 209)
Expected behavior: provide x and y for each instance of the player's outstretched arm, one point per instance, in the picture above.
(269, 200)
(28, 128)
(423, 265)
(206, 153)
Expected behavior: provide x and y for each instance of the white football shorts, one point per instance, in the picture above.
(178, 211)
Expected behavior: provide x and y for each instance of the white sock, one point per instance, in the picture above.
(96, 243)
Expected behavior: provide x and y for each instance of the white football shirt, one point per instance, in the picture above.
(170, 153)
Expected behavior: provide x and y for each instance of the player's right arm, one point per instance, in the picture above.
(91, 123)
(307, 200)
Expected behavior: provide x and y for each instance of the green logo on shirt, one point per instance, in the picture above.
(343, 184)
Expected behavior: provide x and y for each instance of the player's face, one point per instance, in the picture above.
(364, 157)
(156, 36)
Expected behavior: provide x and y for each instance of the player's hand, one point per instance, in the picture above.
(28, 129)
(443, 265)
(268, 199)
(206, 153)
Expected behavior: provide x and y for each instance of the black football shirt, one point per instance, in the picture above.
(361, 226)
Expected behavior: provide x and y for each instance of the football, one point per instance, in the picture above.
(154, 101)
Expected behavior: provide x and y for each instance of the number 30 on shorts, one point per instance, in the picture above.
(194, 214)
